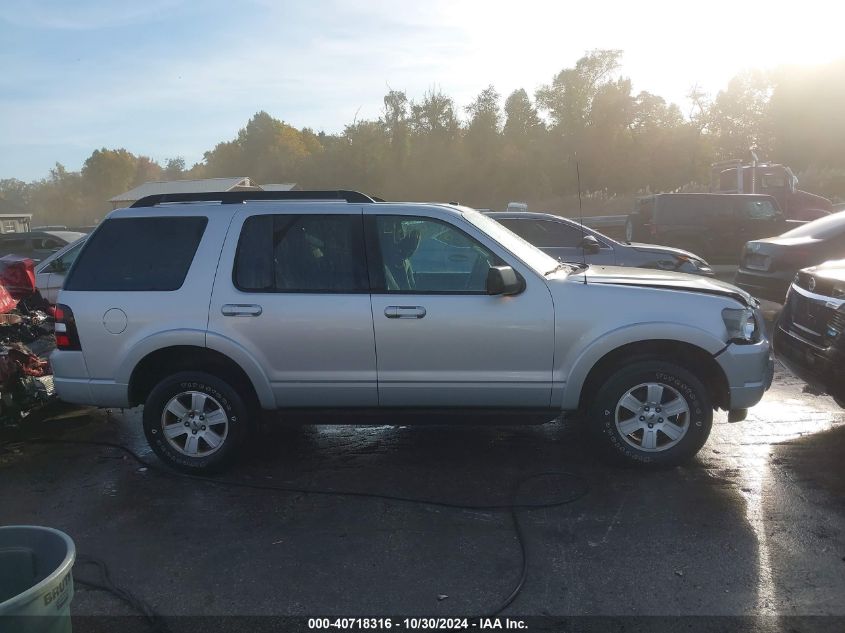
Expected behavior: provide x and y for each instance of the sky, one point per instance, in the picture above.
(168, 78)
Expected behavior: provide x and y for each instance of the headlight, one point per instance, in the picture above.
(741, 324)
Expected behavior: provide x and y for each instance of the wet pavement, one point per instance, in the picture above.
(755, 525)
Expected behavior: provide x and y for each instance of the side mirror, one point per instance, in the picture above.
(503, 280)
(590, 245)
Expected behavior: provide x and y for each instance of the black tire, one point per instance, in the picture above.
(221, 397)
(680, 382)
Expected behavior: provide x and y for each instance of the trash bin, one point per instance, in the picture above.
(36, 585)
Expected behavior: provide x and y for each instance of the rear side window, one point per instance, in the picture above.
(301, 253)
(138, 254)
(10, 246)
(694, 209)
(756, 209)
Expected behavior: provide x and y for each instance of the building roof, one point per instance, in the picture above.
(183, 186)
(10, 209)
(280, 186)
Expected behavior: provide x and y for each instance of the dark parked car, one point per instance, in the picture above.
(569, 241)
(36, 245)
(768, 266)
(714, 226)
(810, 333)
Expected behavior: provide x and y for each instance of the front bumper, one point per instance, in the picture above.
(749, 370)
(821, 368)
(764, 285)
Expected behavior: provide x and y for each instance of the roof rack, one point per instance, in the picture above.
(237, 197)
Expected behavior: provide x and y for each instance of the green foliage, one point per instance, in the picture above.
(625, 143)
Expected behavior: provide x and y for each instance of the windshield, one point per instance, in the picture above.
(529, 254)
(821, 229)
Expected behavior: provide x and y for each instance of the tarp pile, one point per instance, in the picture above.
(24, 318)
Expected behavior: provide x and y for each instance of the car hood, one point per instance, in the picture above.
(780, 240)
(834, 270)
(663, 250)
(663, 279)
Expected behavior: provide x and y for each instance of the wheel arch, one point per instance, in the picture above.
(166, 361)
(691, 357)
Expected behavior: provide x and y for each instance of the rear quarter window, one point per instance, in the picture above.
(691, 210)
(756, 209)
(137, 254)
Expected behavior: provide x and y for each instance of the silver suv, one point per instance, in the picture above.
(212, 309)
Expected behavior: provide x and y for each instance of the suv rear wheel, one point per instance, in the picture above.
(195, 422)
(652, 412)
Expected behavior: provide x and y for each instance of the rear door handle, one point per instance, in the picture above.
(404, 312)
(241, 310)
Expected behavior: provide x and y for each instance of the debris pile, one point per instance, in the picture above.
(25, 319)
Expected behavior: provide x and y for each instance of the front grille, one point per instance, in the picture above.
(812, 320)
(821, 285)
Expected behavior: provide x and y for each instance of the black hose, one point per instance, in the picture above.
(105, 583)
(513, 507)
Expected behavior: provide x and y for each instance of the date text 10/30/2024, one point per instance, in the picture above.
(417, 624)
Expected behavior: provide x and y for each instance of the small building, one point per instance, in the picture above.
(281, 186)
(205, 185)
(12, 219)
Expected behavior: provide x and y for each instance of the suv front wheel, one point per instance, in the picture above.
(652, 412)
(195, 422)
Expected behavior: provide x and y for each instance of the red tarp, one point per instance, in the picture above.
(7, 301)
(17, 274)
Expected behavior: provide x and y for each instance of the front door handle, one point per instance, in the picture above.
(241, 310)
(404, 312)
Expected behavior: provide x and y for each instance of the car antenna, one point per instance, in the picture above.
(581, 218)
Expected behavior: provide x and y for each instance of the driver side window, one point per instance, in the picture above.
(423, 255)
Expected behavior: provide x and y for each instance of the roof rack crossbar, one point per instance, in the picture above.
(237, 197)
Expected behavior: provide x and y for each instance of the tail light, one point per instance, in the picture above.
(67, 337)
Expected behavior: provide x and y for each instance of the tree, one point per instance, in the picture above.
(146, 170)
(174, 168)
(396, 125)
(625, 143)
(739, 116)
(482, 133)
(108, 172)
(521, 119)
(570, 95)
(434, 115)
(267, 149)
(15, 191)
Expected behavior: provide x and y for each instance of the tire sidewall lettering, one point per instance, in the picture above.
(607, 428)
(159, 443)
